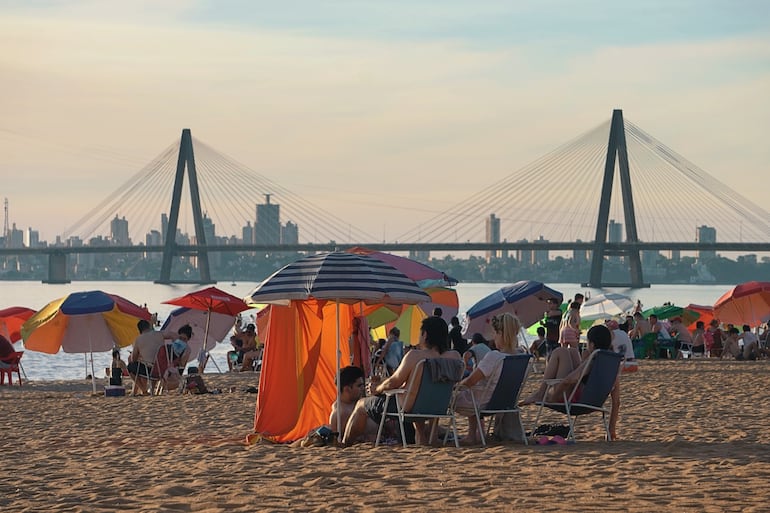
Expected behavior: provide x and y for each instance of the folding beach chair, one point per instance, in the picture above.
(165, 370)
(428, 396)
(599, 374)
(11, 364)
(505, 397)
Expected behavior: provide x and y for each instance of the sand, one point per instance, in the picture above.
(694, 437)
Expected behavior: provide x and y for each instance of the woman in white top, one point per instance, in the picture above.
(484, 377)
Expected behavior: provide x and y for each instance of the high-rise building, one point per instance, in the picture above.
(524, 256)
(119, 232)
(15, 237)
(615, 235)
(153, 238)
(247, 233)
(706, 235)
(579, 256)
(289, 233)
(541, 255)
(163, 226)
(267, 228)
(209, 229)
(31, 238)
(493, 235)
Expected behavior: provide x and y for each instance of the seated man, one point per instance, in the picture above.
(252, 350)
(750, 344)
(351, 390)
(6, 348)
(365, 419)
(142, 357)
(730, 344)
(599, 337)
(539, 346)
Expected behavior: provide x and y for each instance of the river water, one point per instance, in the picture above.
(35, 295)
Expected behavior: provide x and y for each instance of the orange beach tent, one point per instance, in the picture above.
(299, 364)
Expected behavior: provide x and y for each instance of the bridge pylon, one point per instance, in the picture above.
(170, 249)
(616, 147)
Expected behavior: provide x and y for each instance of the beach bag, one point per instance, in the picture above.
(195, 385)
(172, 378)
(508, 428)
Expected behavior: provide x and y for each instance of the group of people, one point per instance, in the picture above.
(145, 356)
(359, 410)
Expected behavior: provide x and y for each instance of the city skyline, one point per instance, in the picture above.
(363, 113)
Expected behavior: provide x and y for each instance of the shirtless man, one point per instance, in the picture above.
(251, 349)
(143, 354)
(351, 390)
(365, 419)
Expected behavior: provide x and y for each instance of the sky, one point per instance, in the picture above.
(382, 112)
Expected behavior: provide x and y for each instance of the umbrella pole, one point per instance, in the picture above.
(91, 352)
(206, 338)
(339, 392)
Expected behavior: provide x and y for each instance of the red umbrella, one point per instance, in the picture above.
(747, 303)
(11, 320)
(210, 300)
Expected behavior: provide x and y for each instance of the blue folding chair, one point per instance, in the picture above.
(431, 399)
(599, 375)
(505, 397)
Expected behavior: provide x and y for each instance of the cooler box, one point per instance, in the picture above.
(114, 391)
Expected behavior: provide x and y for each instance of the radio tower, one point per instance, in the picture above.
(5, 223)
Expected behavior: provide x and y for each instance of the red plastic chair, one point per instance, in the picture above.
(13, 365)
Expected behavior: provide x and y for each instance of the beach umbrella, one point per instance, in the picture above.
(84, 322)
(424, 275)
(705, 313)
(342, 277)
(605, 306)
(210, 300)
(11, 320)
(670, 311)
(411, 317)
(747, 303)
(525, 299)
(219, 325)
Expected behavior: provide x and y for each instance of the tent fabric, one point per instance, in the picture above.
(297, 384)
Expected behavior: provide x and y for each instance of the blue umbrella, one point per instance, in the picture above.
(526, 299)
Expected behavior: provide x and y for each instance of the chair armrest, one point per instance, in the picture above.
(394, 391)
(552, 382)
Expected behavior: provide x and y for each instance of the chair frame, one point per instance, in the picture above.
(505, 397)
(596, 390)
(431, 399)
(13, 361)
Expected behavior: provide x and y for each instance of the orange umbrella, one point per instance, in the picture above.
(11, 320)
(706, 314)
(747, 303)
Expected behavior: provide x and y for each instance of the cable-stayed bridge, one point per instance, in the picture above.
(614, 190)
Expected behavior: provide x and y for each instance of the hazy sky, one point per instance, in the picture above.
(357, 105)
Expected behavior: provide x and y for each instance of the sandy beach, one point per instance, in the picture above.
(693, 438)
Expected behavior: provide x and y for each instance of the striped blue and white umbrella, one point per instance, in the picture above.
(339, 276)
